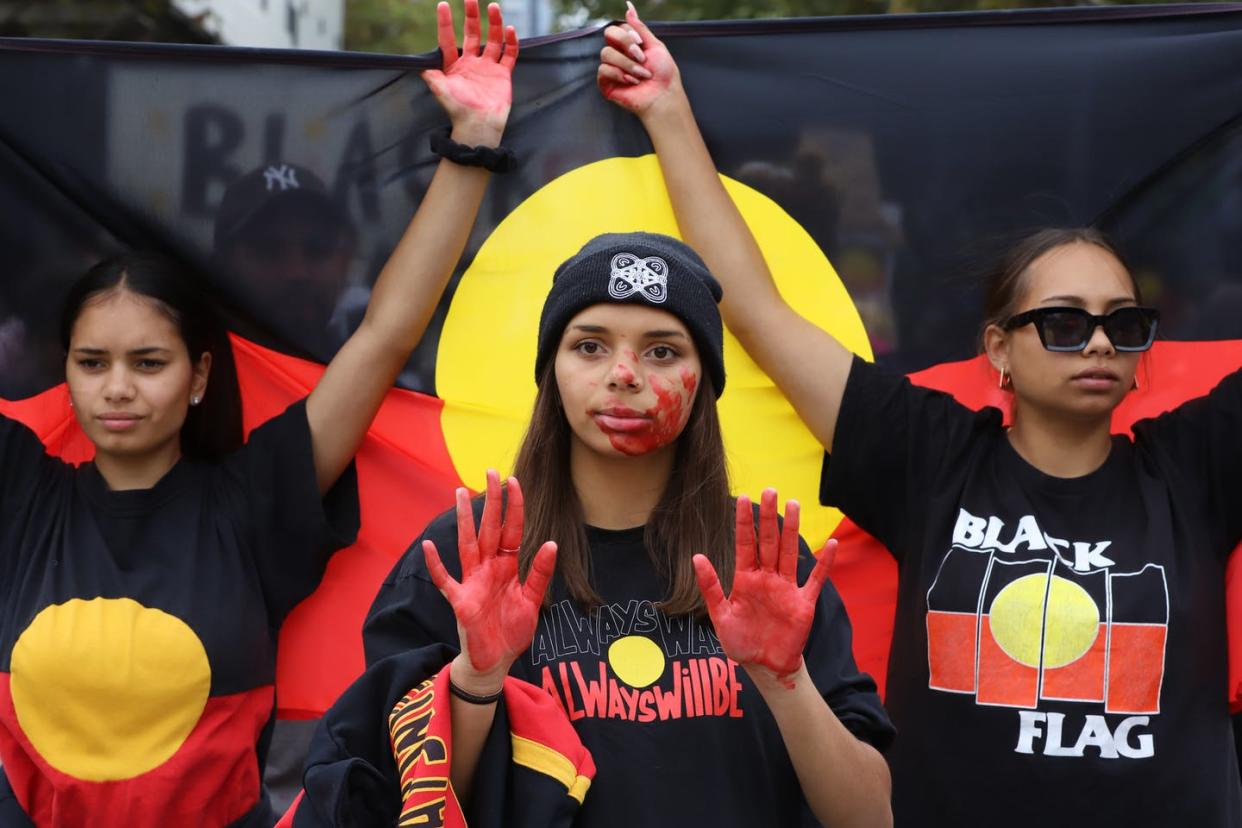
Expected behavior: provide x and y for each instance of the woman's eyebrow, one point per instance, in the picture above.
(1064, 300)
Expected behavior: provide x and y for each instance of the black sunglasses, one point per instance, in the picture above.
(1131, 328)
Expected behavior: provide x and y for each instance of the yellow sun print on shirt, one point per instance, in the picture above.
(107, 689)
(636, 660)
(1018, 624)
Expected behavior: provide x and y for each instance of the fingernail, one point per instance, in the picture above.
(630, 6)
(642, 72)
(637, 53)
(630, 79)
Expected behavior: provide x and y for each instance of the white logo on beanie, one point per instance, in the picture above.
(631, 274)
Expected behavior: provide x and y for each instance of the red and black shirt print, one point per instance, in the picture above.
(138, 628)
(653, 696)
(1051, 634)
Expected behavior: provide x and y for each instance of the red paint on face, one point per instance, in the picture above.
(657, 426)
(624, 374)
(689, 381)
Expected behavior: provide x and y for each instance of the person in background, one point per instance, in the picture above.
(141, 594)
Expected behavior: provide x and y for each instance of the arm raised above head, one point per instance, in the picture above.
(810, 366)
(475, 90)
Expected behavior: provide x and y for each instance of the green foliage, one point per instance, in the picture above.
(397, 27)
(409, 26)
(738, 9)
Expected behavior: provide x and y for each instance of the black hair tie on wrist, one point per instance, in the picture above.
(471, 698)
(495, 159)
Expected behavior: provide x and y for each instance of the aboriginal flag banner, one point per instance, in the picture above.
(882, 163)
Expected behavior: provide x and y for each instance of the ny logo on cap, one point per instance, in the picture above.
(630, 274)
(284, 177)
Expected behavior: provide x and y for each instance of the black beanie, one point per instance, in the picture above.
(637, 269)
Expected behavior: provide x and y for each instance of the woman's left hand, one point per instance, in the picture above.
(764, 623)
(475, 88)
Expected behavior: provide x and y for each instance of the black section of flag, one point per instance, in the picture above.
(911, 148)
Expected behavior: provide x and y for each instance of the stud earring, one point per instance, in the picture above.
(195, 400)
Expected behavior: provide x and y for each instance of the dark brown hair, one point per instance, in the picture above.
(694, 515)
(1007, 283)
(213, 428)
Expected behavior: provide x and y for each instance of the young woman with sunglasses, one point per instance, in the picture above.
(141, 594)
(1059, 650)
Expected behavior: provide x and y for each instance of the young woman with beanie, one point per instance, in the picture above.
(697, 708)
(1059, 652)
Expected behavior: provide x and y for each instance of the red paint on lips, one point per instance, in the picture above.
(658, 426)
(621, 419)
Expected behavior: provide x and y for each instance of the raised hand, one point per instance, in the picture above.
(635, 68)
(496, 613)
(765, 621)
(475, 87)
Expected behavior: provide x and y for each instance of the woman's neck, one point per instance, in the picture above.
(1061, 446)
(123, 473)
(619, 492)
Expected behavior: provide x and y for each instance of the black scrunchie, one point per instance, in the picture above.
(496, 159)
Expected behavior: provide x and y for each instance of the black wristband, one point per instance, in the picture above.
(496, 159)
(471, 698)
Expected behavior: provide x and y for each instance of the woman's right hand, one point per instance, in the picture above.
(496, 612)
(636, 71)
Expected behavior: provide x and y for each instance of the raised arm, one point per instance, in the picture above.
(475, 90)
(763, 625)
(637, 73)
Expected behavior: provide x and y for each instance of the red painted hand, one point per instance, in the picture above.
(496, 613)
(475, 87)
(635, 68)
(765, 621)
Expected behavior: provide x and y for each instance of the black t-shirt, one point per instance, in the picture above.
(679, 734)
(138, 628)
(1059, 653)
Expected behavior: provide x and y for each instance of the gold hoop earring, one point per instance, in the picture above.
(1136, 382)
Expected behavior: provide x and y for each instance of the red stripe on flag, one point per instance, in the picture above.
(951, 650)
(1082, 679)
(1136, 667)
(212, 779)
(405, 478)
(1172, 372)
(1001, 679)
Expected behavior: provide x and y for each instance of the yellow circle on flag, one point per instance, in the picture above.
(485, 363)
(636, 660)
(107, 689)
(1068, 623)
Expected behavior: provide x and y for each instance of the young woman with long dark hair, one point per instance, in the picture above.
(697, 708)
(141, 594)
(1059, 651)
